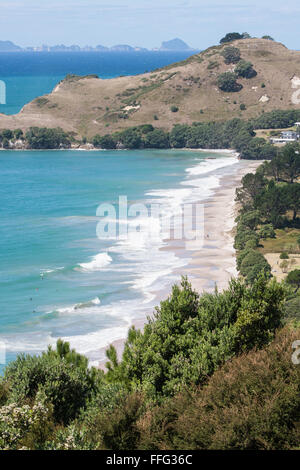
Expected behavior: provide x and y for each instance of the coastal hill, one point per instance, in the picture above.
(184, 92)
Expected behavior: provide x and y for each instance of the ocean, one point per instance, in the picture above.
(58, 279)
(62, 278)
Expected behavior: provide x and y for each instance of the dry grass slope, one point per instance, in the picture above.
(89, 106)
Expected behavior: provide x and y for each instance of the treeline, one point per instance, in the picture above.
(235, 134)
(269, 199)
(277, 119)
(41, 138)
(170, 388)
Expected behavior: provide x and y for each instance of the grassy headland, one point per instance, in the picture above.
(88, 105)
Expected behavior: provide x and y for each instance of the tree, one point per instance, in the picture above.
(131, 138)
(293, 279)
(284, 266)
(146, 128)
(250, 219)
(157, 139)
(272, 203)
(105, 142)
(231, 55)
(18, 133)
(227, 82)
(5, 143)
(179, 135)
(253, 186)
(63, 376)
(268, 37)
(44, 138)
(190, 336)
(254, 264)
(245, 69)
(231, 37)
(292, 194)
(267, 231)
(258, 149)
(244, 236)
(6, 134)
(289, 162)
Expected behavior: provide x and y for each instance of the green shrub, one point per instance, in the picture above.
(61, 375)
(227, 82)
(231, 37)
(231, 55)
(174, 109)
(6, 134)
(245, 69)
(244, 235)
(131, 138)
(267, 231)
(105, 142)
(284, 255)
(190, 336)
(251, 403)
(157, 139)
(253, 265)
(293, 278)
(44, 138)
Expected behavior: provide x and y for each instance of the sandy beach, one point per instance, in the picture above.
(214, 264)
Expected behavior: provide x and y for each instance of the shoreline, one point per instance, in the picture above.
(213, 265)
(231, 152)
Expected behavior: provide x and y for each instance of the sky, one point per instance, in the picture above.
(146, 23)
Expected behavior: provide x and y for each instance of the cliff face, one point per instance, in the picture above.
(89, 105)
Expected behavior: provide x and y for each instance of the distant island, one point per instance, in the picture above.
(175, 45)
(172, 45)
(8, 46)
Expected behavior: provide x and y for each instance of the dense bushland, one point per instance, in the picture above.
(189, 380)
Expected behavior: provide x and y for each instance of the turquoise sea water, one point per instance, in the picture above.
(57, 279)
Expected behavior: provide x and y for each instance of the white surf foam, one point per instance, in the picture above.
(97, 263)
(78, 307)
(207, 166)
(148, 268)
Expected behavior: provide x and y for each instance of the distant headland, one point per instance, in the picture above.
(172, 45)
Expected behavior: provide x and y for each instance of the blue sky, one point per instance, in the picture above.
(145, 22)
